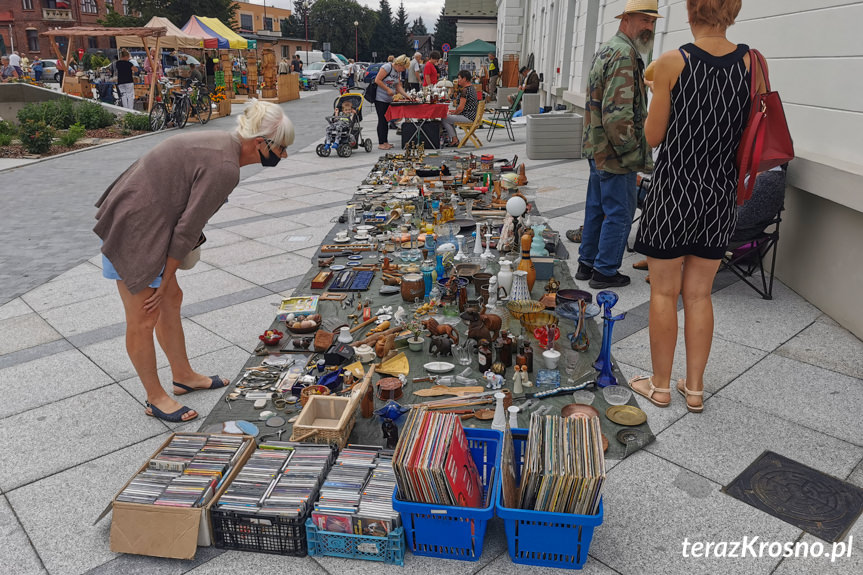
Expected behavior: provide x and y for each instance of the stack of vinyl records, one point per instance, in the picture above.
(564, 466)
(433, 463)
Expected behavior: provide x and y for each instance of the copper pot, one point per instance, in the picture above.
(413, 287)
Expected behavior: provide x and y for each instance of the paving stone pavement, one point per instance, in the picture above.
(781, 376)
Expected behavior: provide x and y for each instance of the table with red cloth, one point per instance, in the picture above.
(419, 114)
(411, 111)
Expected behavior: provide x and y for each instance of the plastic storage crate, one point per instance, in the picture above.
(456, 532)
(260, 533)
(543, 538)
(389, 549)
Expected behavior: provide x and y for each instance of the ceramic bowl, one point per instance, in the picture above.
(616, 394)
(520, 307)
(533, 320)
(573, 295)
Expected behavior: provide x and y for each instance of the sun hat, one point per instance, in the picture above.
(647, 7)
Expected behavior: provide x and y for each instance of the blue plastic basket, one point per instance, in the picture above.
(456, 532)
(389, 549)
(543, 538)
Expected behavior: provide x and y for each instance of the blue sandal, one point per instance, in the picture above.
(174, 417)
(215, 383)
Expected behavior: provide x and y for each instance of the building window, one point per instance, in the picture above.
(89, 7)
(33, 40)
(28, 5)
(126, 8)
(268, 24)
(286, 51)
(92, 42)
(246, 22)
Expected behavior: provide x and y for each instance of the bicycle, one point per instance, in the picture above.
(202, 104)
(173, 107)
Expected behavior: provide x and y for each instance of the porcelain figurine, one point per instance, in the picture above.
(495, 381)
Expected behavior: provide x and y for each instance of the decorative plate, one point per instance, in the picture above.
(438, 367)
(626, 415)
(337, 268)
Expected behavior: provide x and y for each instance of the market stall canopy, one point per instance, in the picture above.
(474, 52)
(78, 31)
(174, 38)
(212, 28)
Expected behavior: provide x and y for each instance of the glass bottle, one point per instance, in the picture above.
(484, 359)
(503, 349)
(528, 354)
(427, 270)
(439, 269)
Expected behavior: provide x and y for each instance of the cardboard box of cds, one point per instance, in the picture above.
(168, 526)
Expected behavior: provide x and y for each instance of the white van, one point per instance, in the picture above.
(312, 56)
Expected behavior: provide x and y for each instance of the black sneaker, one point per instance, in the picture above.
(600, 281)
(585, 272)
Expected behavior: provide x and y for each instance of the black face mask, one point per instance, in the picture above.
(271, 160)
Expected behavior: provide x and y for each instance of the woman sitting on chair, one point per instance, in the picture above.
(466, 107)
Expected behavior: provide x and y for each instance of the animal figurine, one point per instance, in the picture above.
(481, 326)
(391, 433)
(440, 345)
(435, 328)
(495, 381)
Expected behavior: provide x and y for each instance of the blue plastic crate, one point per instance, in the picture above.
(543, 538)
(389, 549)
(456, 532)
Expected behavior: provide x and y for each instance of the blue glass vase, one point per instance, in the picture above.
(606, 299)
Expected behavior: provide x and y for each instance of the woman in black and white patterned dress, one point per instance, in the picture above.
(465, 110)
(698, 112)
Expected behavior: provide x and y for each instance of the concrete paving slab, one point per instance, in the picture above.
(83, 268)
(726, 362)
(217, 237)
(768, 323)
(83, 316)
(826, 344)
(269, 270)
(267, 227)
(277, 204)
(80, 428)
(229, 213)
(224, 362)
(301, 237)
(65, 374)
(728, 436)
(245, 198)
(653, 506)
(16, 552)
(69, 290)
(790, 389)
(14, 308)
(241, 324)
(24, 331)
(503, 565)
(659, 418)
(211, 284)
(494, 546)
(110, 355)
(58, 511)
(234, 562)
(143, 565)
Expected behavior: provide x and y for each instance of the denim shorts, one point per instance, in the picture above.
(109, 272)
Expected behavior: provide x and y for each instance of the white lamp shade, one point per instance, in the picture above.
(516, 206)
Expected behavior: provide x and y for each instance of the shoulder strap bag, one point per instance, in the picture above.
(766, 141)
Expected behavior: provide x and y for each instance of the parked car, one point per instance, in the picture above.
(323, 72)
(372, 71)
(361, 71)
(49, 70)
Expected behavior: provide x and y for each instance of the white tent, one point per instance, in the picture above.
(176, 38)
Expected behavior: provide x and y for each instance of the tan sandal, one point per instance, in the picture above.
(653, 389)
(686, 392)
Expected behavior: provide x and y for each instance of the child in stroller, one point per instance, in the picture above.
(344, 129)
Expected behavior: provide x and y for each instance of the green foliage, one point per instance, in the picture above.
(73, 134)
(400, 31)
(93, 116)
(115, 20)
(444, 31)
(333, 21)
(7, 129)
(59, 114)
(179, 11)
(36, 137)
(419, 27)
(98, 61)
(384, 33)
(5, 140)
(138, 122)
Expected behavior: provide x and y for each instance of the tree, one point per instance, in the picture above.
(333, 21)
(400, 31)
(444, 31)
(419, 28)
(383, 37)
(114, 20)
(179, 11)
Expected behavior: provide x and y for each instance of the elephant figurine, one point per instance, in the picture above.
(495, 381)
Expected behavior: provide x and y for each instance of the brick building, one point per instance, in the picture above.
(21, 22)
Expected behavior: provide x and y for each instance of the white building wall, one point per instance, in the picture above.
(509, 26)
(469, 30)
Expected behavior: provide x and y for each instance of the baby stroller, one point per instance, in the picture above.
(344, 131)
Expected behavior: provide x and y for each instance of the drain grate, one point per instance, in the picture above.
(818, 503)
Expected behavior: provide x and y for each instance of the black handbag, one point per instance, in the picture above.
(371, 93)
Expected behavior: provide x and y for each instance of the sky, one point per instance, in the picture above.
(428, 9)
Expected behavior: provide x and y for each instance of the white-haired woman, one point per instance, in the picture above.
(152, 217)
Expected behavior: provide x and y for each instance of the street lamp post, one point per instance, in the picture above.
(356, 41)
(306, 14)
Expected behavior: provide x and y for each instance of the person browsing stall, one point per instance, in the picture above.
(150, 224)
(124, 69)
(7, 70)
(430, 75)
(466, 107)
(700, 104)
(389, 84)
(415, 72)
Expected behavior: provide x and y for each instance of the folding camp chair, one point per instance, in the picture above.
(470, 127)
(745, 256)
(504, 114)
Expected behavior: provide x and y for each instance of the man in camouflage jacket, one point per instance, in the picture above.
(616, 148)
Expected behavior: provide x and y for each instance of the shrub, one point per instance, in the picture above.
(6, 129)
(36, 137)
(57, 113)
(93, 116)
(5, 139)
(138, 122)
(72, 135)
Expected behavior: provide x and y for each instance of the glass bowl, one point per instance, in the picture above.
(616, 394)
(583, 396)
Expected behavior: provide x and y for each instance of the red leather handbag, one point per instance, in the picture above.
(766, 141)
